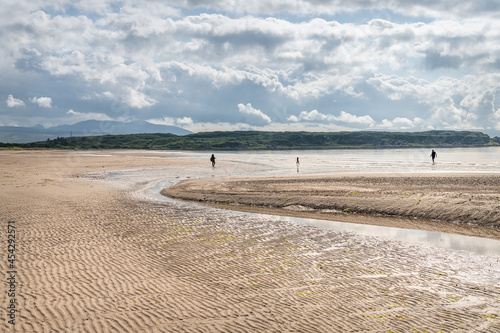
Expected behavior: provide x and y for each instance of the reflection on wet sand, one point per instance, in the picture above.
(98, 253)
(479, 245)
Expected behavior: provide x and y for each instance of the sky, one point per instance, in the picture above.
(281, 65)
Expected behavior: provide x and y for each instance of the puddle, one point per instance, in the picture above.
(478, 245)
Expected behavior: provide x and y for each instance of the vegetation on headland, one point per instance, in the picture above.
(255, 140)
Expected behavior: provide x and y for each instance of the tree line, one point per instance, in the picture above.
(260, 140)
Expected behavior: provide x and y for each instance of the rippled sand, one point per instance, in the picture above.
(467, 204)
(96, 253)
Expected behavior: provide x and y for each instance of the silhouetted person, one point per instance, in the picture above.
(298, 164)
(433, 155)
(212, 159)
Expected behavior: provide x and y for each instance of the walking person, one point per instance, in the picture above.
(433, 155)
(298, 164)
(212, 159)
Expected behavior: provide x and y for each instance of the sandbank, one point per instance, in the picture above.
(466, 203)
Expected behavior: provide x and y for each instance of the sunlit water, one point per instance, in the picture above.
(483, 246)
(484, 159)
(449, 160)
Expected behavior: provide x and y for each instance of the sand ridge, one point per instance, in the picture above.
(93, 257)
(456, 203)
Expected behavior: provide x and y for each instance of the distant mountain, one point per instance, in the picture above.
(100, 127)
(492, 132)
(11, 134)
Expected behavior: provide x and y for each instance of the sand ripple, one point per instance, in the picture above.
(93, 258)
(465, 203)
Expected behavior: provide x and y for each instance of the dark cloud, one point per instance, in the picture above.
(436, 60)
(149, 60)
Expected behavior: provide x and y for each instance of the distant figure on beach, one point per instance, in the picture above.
(212, 159)
(433, 155)
(298, 164)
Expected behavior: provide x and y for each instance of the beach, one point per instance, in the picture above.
(467, 204)
(96, 251)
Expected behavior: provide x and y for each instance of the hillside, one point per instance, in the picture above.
(252, 140)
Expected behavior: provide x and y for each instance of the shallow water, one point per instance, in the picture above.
(468, 160)
(483, 246)
(484, 159)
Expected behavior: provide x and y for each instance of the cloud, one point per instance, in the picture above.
(385, 64)
(449, 103)
(81, 116)
(257, 115)
(311, 116)
(443, 8)
(184, 122)
(434, 60)
(400, 124)
(226, 126)
(139, 100)
(345, 117)
(43, 102)
(14, 102)
(349, 118)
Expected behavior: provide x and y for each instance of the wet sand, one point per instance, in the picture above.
(467, 204)
(95, 254)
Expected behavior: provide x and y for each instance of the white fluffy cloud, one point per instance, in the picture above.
(14, 102)
(139, 100)
(185, 122)
(467, 103)
(43, 102)
(343, 117)
(349, 118)
(258, 115)
(401, 124)
(311, 116)
(397, 65)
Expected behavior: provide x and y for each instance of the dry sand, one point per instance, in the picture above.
(96, 255)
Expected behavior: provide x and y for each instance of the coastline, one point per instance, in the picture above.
(466, 204)
(95, 253)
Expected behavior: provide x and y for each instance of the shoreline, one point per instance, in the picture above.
(374, 220)
(95, 253)
(433, 202)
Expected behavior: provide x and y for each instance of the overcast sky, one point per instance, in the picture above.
(205, 65)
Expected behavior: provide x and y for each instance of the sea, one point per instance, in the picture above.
(415, 160)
